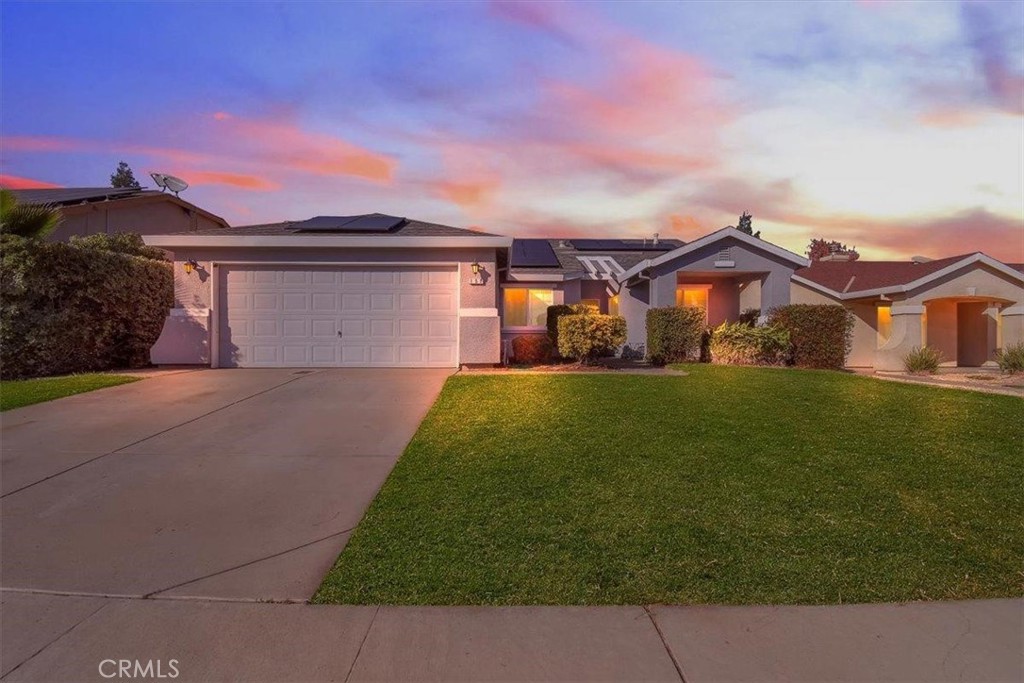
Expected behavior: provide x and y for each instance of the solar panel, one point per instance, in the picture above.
(621, 245)
(374, 222)
(533, 253)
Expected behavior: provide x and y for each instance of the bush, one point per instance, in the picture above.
(120, 242)
(750, 316)
(587, 336)
(820, 335)
(531, 348)
(740, 344)
(674, 334)
(78, 307)
(1011, 359)
(557, 311)
(922, 360)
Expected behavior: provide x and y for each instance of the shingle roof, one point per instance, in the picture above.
(859, 276)
(76, 195)
(410, 228)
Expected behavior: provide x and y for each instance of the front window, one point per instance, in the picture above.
(884, 324)
(527, 307)
(695, 296)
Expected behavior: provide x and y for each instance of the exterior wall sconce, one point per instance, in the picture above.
(478, 274)
(189, 266)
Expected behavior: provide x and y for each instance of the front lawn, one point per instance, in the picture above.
(24, 392)
(729, 485)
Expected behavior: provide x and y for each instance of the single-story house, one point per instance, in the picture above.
(378, 290)
(92, 210)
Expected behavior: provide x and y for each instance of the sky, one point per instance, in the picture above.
(894, 127)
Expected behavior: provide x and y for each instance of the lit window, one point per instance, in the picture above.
(527, 307)
(592, 303)
(694, 296)
(884, 324)
(924, 326)
(613, 305)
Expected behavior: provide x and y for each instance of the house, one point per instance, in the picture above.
(379, 290)
(91, 210)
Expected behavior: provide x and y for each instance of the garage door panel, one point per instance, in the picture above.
(290, 316)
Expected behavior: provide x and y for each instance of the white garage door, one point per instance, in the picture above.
(330, 316)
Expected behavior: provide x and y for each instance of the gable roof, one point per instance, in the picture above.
(856, 279)
(572, 259)
(70, 198)
(709, 239)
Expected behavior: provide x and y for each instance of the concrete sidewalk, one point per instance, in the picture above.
(65, 638)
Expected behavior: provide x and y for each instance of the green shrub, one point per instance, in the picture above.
(557, 311)
(740, 344)
(70, 308)
(674, 334)
(1011, 359)
(750, 316)
(922, 360)
(584, 337)
(119, 242)
(531, 348)
(820, 335)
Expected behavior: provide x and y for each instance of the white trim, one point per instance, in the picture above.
(512, 276)
(921, 281)
(478, 312)
(711, 239)
(175, 242)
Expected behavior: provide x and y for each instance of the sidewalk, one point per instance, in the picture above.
(63, 638)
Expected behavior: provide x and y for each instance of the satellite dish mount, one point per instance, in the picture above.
(169, 182)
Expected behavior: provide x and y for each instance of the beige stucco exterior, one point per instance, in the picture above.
(968, 315)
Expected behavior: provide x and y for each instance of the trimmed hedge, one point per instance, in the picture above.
(531, 348)
(674, 334)
(79, 307)
(821, 335)
(587, 336)
(741, 344)
(557, 311)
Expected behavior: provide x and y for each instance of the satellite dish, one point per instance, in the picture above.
(169, 182)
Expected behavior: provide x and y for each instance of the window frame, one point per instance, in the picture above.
(706, 288)
(526, 328)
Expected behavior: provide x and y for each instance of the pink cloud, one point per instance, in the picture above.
(13, 182)
(239, 180)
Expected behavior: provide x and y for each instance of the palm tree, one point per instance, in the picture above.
(34, 221)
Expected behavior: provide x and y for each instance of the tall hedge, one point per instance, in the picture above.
(821, 335)
(674, 334)
(589, 335)
(741, 344)
(557, 311)
(89, 305)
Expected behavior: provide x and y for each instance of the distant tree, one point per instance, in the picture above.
(820, 247)
(33, 221)
(123, 177)
(746, 225)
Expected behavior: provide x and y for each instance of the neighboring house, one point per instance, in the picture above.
(965, 306)
(378, 290)
(91, 210)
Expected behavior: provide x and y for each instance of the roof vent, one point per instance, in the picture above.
(654, 242)
(919, 259)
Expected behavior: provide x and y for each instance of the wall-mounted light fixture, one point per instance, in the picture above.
(478, 274)
(189, 266)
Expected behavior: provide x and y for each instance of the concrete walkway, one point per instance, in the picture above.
(66, 638)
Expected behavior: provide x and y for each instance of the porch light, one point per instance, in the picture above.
(476, 268)
(478, 278)
(189, 266)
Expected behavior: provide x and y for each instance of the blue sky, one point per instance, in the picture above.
(893, 126)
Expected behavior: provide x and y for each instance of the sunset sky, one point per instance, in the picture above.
(897, 127)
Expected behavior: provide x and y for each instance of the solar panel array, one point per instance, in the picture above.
(533, 253)
(374, 222)
(621, 245)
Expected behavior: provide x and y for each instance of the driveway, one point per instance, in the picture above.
(235, 484)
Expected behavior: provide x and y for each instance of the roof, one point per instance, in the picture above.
(408, 228)
(76, 195)
(709, 239)
(854, 279)
(68, 197)
(582, 258)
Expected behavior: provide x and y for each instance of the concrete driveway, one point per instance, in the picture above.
(237, 484)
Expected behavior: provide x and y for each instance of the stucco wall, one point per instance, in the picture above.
(478, 320)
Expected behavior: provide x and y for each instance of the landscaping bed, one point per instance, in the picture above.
(728, 485)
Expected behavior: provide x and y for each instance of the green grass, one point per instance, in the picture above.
(729, 485)
(25, 392)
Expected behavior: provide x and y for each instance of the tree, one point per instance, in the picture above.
(746, 225)
(123, 177)
(33, 221)
(820, 247)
